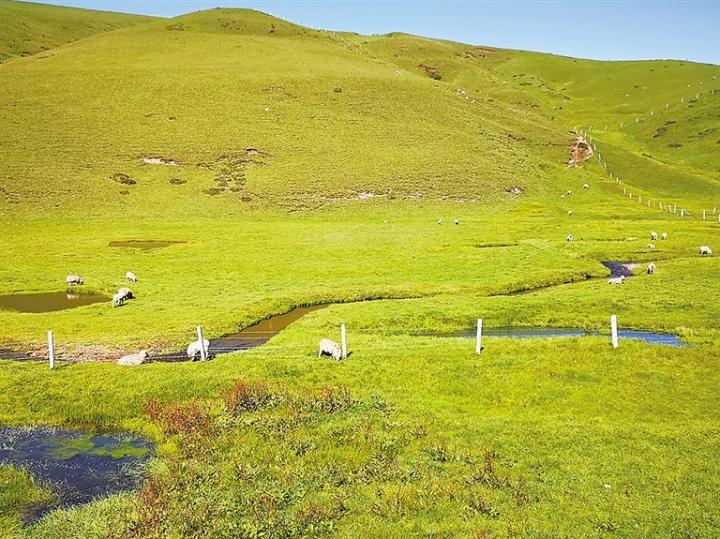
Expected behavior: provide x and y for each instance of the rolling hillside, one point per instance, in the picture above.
(227, 110)
(29, 28)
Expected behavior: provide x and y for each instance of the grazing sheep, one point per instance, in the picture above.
(194, 349)
(330, 348)
(118, 299)
(569, 192)
(664, 235)
(133, 360)
(651, 268)
(569, 238)
(562, 196)
(653, 235)
(441, 222)
(705, 250)
(651, 246)
(122, 295)
(586, 186)
(617, 280)
(569, 212)
(456, 222)
(130, 276)
(73, 280)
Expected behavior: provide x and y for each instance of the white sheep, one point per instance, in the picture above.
(118, 299)
(330, 348)
(569, 238)
(194, 349)
(617, 280)
(441, 222)
(569, 212)
(651, 246)
(664, 235)
(456, 222)
(651, 268)
(569, 192)
(130, 276)
(73, 280)
(122, 295)
(705, 250)
(653, 235)
(132, 360)
(562, 196)
(586, 186)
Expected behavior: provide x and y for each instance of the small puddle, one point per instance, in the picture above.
(145, 245)
(45, 302)
(77, 466)
(650, 337)
(624, 269)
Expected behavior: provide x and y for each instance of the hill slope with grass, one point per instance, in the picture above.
(29, 28)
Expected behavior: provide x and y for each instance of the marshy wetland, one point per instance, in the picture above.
(547, 432)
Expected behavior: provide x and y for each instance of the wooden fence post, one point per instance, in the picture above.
(614, 330)
(201, 340)
(51, 349)
(343, 340)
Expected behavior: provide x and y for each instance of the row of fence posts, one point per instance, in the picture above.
(613, 334)
(201, 341)
(343, 340)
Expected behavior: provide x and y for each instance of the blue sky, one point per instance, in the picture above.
(605, 30)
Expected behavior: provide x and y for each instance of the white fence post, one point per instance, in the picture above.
(613, 329)
(201, 341)
(51, 349)
(343, 340)
(478, 336)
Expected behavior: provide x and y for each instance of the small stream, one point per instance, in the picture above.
(650, 337)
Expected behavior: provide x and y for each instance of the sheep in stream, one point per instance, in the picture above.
(620, 279)
(705, 250)
(330, 348)
(73, 280)
(664, 235)
(569, 238)
(653, 235)
(194, 349)
(133, 360)
(130, 276)
(651, 268)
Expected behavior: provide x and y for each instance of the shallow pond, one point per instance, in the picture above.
(45, 302)
(650, 337)
(144, 245)
(77, 466)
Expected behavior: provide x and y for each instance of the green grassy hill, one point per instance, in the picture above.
(29, 28)
(293, 167)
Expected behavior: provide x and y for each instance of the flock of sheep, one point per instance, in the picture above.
(122, 295)
(704, 251)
